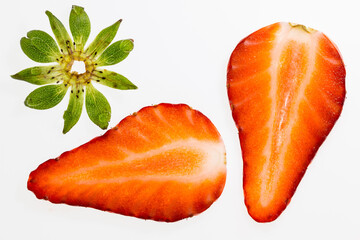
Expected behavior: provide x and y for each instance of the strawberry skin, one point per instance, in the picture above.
(286, 87)
(165, 163)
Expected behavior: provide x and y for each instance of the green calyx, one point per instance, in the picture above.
(59, 77)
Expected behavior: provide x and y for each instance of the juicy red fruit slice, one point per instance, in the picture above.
(286, 86)
(165, 162)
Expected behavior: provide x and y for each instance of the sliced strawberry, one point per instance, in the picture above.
(166, 163)
(286, 86)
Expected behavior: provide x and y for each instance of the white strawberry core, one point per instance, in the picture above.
(287, 34)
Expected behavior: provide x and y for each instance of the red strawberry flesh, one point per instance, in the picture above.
(286, 86)
(166, 163)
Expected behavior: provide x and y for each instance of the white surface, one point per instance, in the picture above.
(180, 56)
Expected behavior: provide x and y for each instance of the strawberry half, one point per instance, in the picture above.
(165, 163)
(286, 86)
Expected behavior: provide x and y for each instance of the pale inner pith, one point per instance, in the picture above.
(293, 60)
(184, 160)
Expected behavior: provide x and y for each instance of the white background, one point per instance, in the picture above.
(181, 53)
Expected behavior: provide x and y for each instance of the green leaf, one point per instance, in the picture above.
(102, 40)
(73, 112)
(44, 42)
(46, 97)
(113, 79)
(97, 107)
(34, 53)
(39, 75)
(116, 52)
(79, 26)
(61, 35)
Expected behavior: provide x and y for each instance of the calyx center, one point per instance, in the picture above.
(78, 67)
